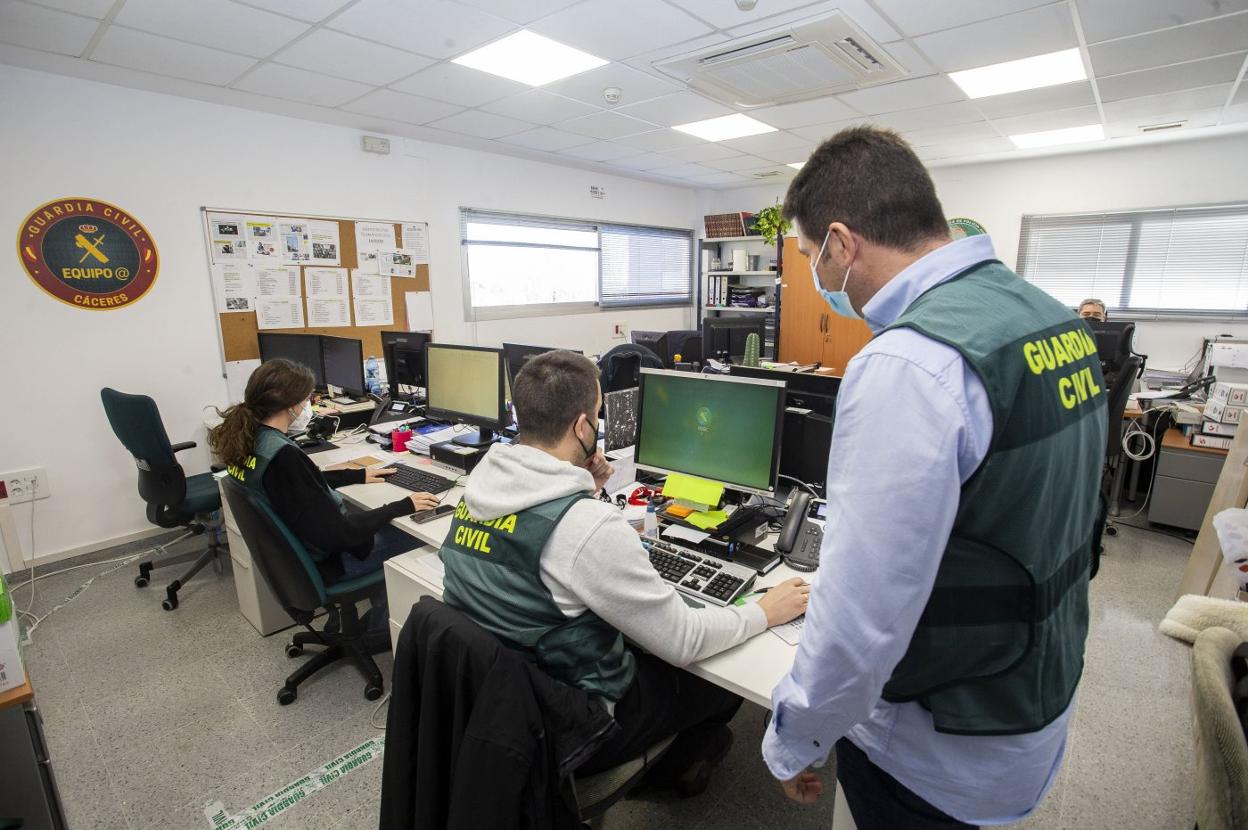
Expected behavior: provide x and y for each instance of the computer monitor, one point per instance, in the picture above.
(810, 408)
(404, 353)
(656, 342)
(805, 390)
(517, 355)
(1114, 341)
(464, 384)
(343, 358)
(727, 335)
(299, 348)
(687, 343)
(711, 426)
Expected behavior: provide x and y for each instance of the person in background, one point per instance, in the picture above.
(1093, 309)
(252, 442)
(533, 558)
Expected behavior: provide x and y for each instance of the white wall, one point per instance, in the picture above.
(162, 158)
(997, 194)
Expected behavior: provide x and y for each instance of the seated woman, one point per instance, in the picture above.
(252, 442)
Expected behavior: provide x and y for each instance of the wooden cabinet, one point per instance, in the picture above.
(810, 332)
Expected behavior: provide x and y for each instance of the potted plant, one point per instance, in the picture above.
(770, 222)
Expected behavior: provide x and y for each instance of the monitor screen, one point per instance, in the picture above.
(805, 390)
(727, 335)
(517, 355)
(344, 363)
(404, 354)
(711, 426)
(299, 348)
(465, 384)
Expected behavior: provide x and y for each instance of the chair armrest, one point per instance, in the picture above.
(184, 445)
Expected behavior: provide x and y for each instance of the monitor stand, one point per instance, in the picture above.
(481, 438)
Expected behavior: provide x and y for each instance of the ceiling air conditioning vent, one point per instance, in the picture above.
(1153, 128)
(808, 59)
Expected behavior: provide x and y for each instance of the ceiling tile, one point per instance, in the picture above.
(50, 31)
(151, 53)
(1105, 19)
(761, 145)
(818, 132)
(718, 179)
(1170, 78)
(608, 30)
(1191, 120)
(606, 125)
(349, 57)
(1150, 107)
(726, 15)
(519, 11)
(904, 95)
(941, 115)
(539, 107)
(91, 8)
(216, 23)
(1186, 43)
(911, 60)
(803, 114)
(919, 18)
(635, 86)
(1022, 35)
(545, 138)
(599, 151)
(646, 161)
(950, 135)
(684, 171)
(965, 149)
(481, 124)
(1060, 97)
(1241, 97)
(300, 85)
(703, 152)
(860, 12)
(398, 106)
(646, 60)
(746, 162)
(438, 28)
(457, 84)
(313, 11)
(1235, 114)
(660, 140)
(1055, 120)
(678, 108)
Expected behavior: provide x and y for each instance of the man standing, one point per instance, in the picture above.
(1093, 309)
(945, 634)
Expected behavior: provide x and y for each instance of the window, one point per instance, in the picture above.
(1174, 262)
(522, 265)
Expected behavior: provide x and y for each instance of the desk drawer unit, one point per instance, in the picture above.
(402, 592)
(1183, 487)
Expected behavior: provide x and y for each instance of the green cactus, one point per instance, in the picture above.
(751, 350)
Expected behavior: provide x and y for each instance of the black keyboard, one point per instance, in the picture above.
(703, 577)
(418, 481)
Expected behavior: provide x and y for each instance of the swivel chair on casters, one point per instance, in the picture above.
(173, 498)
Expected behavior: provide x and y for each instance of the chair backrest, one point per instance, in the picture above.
(277, 553)
(1119, 393)
(1221, 748)
(136, 423)
(620, 368)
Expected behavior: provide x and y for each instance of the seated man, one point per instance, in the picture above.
(535, 559)
(1093, 309)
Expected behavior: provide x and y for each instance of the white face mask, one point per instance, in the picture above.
(302, 419)
(839, 300)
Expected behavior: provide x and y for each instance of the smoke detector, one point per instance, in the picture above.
(612, 94)
(747, 5)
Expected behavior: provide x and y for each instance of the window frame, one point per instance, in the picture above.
(1136, 218)
(503, 312)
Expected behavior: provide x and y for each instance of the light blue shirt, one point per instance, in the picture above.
(913, 422)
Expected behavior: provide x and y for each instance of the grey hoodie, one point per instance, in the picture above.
(595, 560)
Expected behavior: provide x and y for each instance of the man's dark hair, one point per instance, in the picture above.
(551, 391)
(869, 179)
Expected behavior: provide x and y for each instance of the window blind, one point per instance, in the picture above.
(1177, 262)
(515, 260)
(645, 266)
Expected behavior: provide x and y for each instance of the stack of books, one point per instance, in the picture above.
(720, 225)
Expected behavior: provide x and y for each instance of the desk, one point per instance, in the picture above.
(1183, 482)
(27, 786)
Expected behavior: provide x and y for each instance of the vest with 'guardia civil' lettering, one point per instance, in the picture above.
(999, 647)
(493, 574)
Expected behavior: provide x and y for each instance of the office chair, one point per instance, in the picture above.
(1119, 392)
(173, 498)
(620, 368)
(1220, 721)
(290, 571)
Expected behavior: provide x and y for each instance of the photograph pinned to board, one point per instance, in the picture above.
(416, 240)
(397, 263)
(228, 242)
(324, 312)
(278, 282)
(371, 311)
(371, 237)
(325, 282)
(324, 243)
(235, 286)
(261, 232)
(279, 313)
(292, 237)
(369, 286)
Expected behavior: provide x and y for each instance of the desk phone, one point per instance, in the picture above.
(800, 536)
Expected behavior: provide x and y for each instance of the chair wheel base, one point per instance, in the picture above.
(1111, 531)
(372, 692)
(140, 582)
(286, 695)
(293, 650)
(169, 603)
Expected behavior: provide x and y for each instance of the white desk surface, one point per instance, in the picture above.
(751, 669)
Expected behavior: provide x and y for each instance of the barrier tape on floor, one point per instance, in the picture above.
(73, 595)
(278, 802)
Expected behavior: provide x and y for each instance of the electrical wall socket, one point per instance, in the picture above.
(619, 331)
(26, 485)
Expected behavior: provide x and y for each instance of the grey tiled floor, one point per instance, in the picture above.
(151, 715)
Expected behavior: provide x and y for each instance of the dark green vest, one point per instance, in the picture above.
(493, 574)
(999, 648)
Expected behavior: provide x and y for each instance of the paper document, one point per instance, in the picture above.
(419, 310)
(261, 232)
(709, 519)
(396, 263)
(429, 569)
(416, 240)
(278, 282)
(293, 242)
(228, 241)
(327, 312)
(697, 537)
(235, 284)
(374, 312)
(693, 490)
(323, 243)
(790, 632)
(369, 286)
(326, 282)
(279, 313)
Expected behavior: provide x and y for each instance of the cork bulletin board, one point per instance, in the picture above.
(239, 330)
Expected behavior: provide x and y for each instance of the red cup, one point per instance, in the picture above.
(399, 439)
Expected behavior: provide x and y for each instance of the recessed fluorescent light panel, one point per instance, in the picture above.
(1028, 73)
(797, 165)
(530, 59)
(1051, 138)
(726, 127)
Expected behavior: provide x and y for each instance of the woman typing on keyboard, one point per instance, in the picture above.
(252, 442)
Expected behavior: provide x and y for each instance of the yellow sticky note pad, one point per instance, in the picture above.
(691, 489)
(708, 519)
